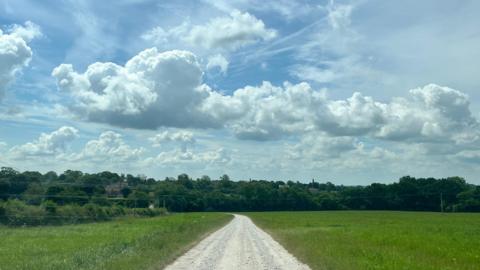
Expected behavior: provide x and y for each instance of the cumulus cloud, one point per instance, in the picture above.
(318, 146)
(15, 54)
(318, 150)
(224, 33)
(153, 89)
(432, 113)
(109, 147)
(356, 115)
(156, 89)
(165, 89)
(237, 30)
(205, 158)
(47, 144)
(429, 114)
(184, 138)
(218, 61)
(267, 111)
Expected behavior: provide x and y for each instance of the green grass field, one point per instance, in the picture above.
(377, 240)
(141, 243)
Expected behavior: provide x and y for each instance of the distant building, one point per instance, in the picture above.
(115, 189)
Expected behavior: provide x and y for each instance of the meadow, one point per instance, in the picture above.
(127, 243)
(377, 239)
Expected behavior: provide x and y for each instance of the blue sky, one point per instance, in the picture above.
(345, 91)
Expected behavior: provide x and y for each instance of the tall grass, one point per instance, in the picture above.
(377, 240)
(130, 243)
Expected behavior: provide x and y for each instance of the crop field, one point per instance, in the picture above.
(377, 239)
(130, 243)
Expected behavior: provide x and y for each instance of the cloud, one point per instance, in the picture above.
(432, 113)
(15, 54)
(218, 61)
(221, 33)
(204, 159)
(288, 9)
(266, 112)
(166, 136)
(468, 156)
(270, 112)
(235, 31)
(47, 144)
(109, 147)
(166, 89)
(153, 89)
(318, 150)
(357, 115)
(318, 146)
(184, 138)
(334, 52)
(339, 15)
(162, 37)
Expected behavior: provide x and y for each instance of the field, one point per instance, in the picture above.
(140, 243)
(377, 240)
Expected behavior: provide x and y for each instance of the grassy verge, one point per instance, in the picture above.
(131, 243)
(377, 240)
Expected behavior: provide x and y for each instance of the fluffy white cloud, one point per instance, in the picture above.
(432, 113)
(237, 30)
(47, 144)
(356, 115)
(223, 33)
(15, 53)
(109, 147)
(166, 136)
(319, 151)
(184, 138)
(318, 146)
(218, 61)
(166, 89)
(205, 158)
(266, 112)
(153, 89)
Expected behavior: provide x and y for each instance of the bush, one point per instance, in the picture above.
(16, 213)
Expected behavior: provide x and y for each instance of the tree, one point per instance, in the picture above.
(34, 194)
(7, 172)
(139, 199)
(184, 180)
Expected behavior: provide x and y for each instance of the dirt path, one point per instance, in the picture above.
(238, 245)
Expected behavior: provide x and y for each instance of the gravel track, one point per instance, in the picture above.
(238, 245)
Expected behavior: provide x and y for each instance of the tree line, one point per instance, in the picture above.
(110, 194)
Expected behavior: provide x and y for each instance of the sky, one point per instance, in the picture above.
(351, 92)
